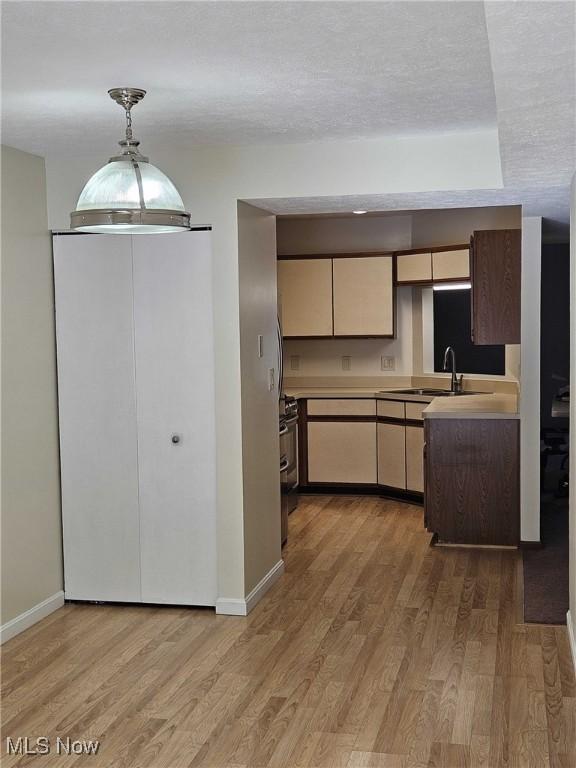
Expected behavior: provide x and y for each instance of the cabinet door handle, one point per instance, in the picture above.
(175, 439)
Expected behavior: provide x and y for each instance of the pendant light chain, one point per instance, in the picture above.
(129, 142)
(128, 123)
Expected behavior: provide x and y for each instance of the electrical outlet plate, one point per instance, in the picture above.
(294, 362)
(346, 363)
(271, 379)
(387, 363)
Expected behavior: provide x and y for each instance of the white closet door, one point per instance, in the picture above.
(175, 397)
(97, 411)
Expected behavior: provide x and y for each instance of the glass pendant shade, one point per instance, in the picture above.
(129, 195)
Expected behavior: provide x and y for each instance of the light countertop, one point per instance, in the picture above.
(483, 406)
(329, 392)
(496, 406)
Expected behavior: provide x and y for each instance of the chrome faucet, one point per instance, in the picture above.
(455, 382)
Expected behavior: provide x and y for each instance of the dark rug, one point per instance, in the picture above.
(546, 598)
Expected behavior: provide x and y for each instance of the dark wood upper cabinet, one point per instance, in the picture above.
(495, 262)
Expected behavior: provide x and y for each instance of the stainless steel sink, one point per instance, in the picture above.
(431, 392)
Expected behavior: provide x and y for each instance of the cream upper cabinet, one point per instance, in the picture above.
(342, 452)
(305, 296)
(363, 296)
(414, 267)
(451, 265)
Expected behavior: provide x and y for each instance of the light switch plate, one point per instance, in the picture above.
(346, 363)
(387, 363)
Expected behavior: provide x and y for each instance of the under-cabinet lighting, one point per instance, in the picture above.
(359, 213)
(452, 286)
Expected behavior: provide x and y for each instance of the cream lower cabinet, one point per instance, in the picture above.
(342, 452)
(392, 455)
(415, 459)
(387, 451)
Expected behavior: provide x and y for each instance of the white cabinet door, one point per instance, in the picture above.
(175, 399)
(97, 412)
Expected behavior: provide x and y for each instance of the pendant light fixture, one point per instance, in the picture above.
(129, 195)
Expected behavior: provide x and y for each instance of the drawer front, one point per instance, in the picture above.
(414, 411)
(451, 265)
(414, 267)
(334, 407)
(390, 409)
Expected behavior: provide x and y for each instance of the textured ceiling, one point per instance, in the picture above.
(532, 47)
(552, 203)
(272, 72)
(242, 72)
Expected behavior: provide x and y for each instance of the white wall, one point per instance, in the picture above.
(260, 439)
(453, 226)
(339, 234)
(31, 528)
(212, 180)
(324, 358)
(530, 389)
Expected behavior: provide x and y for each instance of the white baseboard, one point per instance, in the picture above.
(235, 607)
(31, 616)
(571, 638)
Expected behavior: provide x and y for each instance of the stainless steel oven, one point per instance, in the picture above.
(288, 461)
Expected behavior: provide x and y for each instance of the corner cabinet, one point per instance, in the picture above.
(136, 413)
(495, 257)
(344, 296)
(362, 444)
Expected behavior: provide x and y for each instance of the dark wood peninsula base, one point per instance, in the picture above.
(472, 485)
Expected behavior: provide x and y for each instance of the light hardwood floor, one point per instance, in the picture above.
(373, 650)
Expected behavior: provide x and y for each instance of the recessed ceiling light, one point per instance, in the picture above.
(359, 213)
